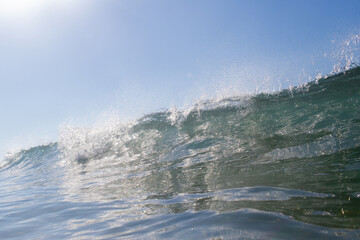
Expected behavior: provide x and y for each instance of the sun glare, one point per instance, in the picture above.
(28, 9)
(20, 8)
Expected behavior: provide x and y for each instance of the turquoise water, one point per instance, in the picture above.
(284, 165)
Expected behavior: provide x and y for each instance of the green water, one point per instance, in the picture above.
(284, 165)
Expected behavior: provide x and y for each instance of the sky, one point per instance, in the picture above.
(71, 61)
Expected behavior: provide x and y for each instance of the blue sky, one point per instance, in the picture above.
(69, 61)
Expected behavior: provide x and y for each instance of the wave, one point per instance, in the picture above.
(313, 117)
(294, 152)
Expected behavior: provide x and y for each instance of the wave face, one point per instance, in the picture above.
(271, 166)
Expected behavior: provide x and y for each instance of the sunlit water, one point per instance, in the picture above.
(270, 166)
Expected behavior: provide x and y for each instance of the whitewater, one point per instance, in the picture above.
(282, 165)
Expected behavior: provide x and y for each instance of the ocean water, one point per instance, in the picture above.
(284, 165)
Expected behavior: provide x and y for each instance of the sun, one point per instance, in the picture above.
(19, 9)
(30, 9)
